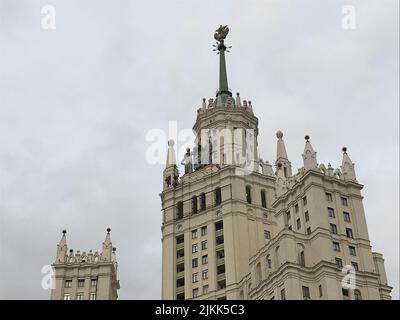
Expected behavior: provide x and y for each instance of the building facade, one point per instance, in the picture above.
(235, 227)
(85, 276)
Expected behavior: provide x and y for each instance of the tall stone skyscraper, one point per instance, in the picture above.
(85, 276)
(235, 227)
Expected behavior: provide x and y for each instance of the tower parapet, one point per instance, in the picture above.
(85, 275)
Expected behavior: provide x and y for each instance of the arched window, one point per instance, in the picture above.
(277, 264)
(202, 202)
(194, 204)
(302, 259)
(258, 273)
(248, 194)
(357, 294)
(301, 255)
(218, 198)
(263, 199)
(269, 263)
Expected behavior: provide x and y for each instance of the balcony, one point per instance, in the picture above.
(180, 290)
(180, 245)
(180, 274)
(221, 276)
(220, 261)
(219, 232)
(180, 260)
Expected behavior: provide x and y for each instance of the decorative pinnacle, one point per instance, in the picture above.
(108, 230)
(220, 35)
(114, 249)
(64, 232)
(344, 149)
(307, 137)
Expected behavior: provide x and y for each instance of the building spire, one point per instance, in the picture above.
(220, 35)
(281, 155)
(107, 247)
(62, 248)
(347, 167)
(309, 155)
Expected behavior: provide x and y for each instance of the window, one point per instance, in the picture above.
(194, 277)
(93, 282)
(267, 235)
(205, 274)
(194, 204)
(204, 259)
(306, 293)
(248, 194)
(333, 228)
(205, 289)
(269, 264)
(180, 282)
(346, 216)
(195, 292)
(357, 294)
(203, 231)
(92, 296)
(283, 296)
(204, 245)
(194, 234)
(320, 290)
(180, 296)
(309, 230)
(307, 216)
(352, 251)
(298, 224)
(344, 201)
(180, 253)
(328, 196)
(179, 210)
(331, 212)
(302, 259)
(194, 248)
(81, 283)
(338, 262)
(195, 262)
(355, 265)
(263, 199)
(288, 218)
(218, 197)
(296, 208)
(202, 202)
(79, 296)
(67, 296)
(219, 225)
(349, 233)
(304, 201)
(68, 283)
(345, 293)
(180, 267)
(180, 239)
(336, 246)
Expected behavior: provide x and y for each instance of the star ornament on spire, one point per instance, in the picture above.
(220, 35)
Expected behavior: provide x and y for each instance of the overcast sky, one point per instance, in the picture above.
(77, 102)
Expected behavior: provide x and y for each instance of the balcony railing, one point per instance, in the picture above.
(180, 274)
(180, 245)
(220, 261)
(180, 289)
(221, 276)
(219, 246)
(219, 232)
